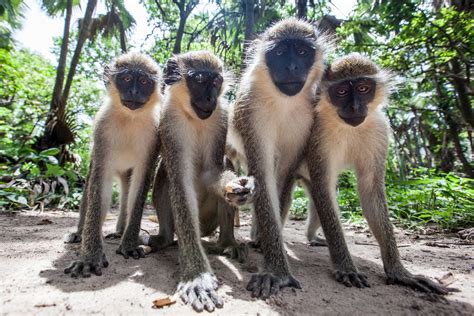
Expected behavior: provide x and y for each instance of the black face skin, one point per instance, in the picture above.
(205, 88)
(135, 88)
(289, 62)
(351, 97)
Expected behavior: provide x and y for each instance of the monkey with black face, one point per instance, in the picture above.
(350, 130)
(126, 145)
(272, 119)
(192, 179)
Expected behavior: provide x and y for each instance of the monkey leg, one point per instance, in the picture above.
(323, 193)
(227, 243)
(312, 225)
(371, 185)
(139, 187)
(122, 219)
(76, 237)
(162, 204)
(99, 194)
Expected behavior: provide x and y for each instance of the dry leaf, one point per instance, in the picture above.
(45, 221)
(447, 279)
(153, 218)
(161, 302)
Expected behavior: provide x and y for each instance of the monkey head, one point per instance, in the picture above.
(201, 75)
(293, 55)
(355, 86)
(133, 79)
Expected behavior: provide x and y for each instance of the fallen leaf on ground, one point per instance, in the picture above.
(45, 305)
(446, 279)
(161, 302)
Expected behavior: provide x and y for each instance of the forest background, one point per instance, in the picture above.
(46, 107)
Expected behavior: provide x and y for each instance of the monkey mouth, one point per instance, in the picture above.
(290, 88)
(132, 105)
(354, 120)
(200, 112)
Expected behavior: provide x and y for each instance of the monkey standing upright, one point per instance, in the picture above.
(193, 133)
(350, 130)
(272, 119)
(125, 144)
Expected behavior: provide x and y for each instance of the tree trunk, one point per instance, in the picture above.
(302, 8)
(83, 34)
(249, 23)
(461, 87)
(57, 132)
(60, 71)
(180, 33)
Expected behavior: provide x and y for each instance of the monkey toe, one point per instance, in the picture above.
(263, 285)
(352, 278)
(73, 238)
(418, 282)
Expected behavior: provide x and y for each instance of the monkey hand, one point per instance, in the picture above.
(418, 282)
(351, 277)
(130, 250)
(201, 292)
(86, 266)
(73, 238)
(263, 285)
(240, 191)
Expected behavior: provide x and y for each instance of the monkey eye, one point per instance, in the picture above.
(279, 52)
(143, 81)
(342, 91)
(127, 78)
(301, 51)
(363, 89)
(199, 78)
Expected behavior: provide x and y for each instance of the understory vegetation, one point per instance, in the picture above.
(427, 45)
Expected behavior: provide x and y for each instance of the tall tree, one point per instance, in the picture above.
(185, 8)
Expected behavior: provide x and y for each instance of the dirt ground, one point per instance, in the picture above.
(32, 259)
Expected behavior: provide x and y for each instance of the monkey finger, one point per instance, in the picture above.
(120, 251)
(354, 278)
(266, 285)
(105, 262)
(292, 282)
(193, 299)
(205, 300)
(216, 299)
(252, 283)
(69, 268)
(97, 270)
(433, 286)
(86, 271)
(135, 254)
(76, 271)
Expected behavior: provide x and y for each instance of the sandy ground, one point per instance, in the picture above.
(32, 259)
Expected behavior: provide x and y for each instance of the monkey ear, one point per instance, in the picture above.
(171, 73)
(107, 75)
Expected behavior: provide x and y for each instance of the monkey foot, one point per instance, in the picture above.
(127, 252)
(116, 235)
(235, 250)
(318, 242)
(417, 282)
(73, 238)
(157, 242)
(351, 278)
(240, 191)
(263, 285)
(201, 293)
(85, 267)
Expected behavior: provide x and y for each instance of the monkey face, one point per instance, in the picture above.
(135, 88)
(205, 88)
(351, 98)
(289, 62)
